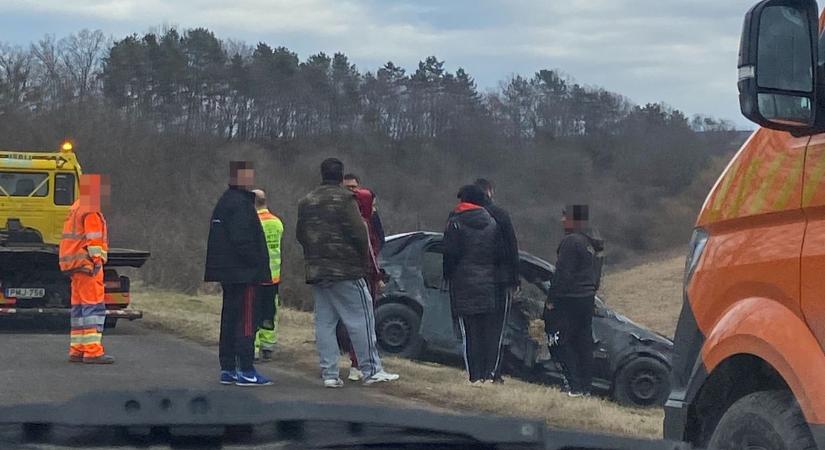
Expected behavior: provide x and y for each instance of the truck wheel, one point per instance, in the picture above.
(644, 381)
(767, 420)
(396, 328)
(110, 323)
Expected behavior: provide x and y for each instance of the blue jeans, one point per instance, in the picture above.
(350, 302)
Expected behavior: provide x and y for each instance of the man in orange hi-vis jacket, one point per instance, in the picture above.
(83, 251)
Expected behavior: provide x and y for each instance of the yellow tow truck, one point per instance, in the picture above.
(36, 191)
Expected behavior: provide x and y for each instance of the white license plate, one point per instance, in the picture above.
(25, 292)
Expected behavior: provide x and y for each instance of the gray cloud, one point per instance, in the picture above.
(680, 52)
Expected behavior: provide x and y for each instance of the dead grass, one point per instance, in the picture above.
(649, 294)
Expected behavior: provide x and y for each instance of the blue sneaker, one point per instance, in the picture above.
(252, 378)
(228, 376)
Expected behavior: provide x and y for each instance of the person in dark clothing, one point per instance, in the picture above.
(568, 317)
(237, 257)
(470, 253)
(507, 264)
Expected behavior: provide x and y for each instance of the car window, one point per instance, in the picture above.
(64, 188)
(19, 184)
(431, 268)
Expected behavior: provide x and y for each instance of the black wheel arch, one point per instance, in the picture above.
(406, 301)
(714, 392)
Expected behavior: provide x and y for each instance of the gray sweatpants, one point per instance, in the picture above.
(350, 302)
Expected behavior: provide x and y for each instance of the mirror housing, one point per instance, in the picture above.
(778, 65)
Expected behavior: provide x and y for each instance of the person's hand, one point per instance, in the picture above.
(381, 285)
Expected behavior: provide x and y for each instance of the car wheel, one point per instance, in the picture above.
(396, 328)
(767, 420)
(644, 381)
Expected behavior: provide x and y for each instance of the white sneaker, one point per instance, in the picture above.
(355, 374)
(334, 383)
(381, 377)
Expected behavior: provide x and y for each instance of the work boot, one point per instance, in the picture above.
(266, 355)
(102, 359)
(76, 358)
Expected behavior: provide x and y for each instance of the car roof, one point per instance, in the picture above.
(527, 257)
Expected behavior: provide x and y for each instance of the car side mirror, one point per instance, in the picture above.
(778, 70)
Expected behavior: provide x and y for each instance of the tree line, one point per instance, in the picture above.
(162, 111)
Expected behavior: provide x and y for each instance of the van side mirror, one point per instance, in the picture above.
(778, 65)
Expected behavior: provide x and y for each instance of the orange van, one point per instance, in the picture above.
(749, 367)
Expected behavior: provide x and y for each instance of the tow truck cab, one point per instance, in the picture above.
(37, 190)
(749, 362)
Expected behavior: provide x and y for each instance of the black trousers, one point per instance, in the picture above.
(236, 348)
(569, 328)
(265, 306)
(483, 337)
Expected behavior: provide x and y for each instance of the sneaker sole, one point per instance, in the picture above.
(268, 383)
(227, 383)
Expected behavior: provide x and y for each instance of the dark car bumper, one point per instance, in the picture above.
(675, 419)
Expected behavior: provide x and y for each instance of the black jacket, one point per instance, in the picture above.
(470, 254)
(579, 267)
(236, 251)
(507, 264)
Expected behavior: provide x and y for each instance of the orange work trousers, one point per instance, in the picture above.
(88, 315)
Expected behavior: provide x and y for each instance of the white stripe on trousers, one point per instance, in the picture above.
(503, 327)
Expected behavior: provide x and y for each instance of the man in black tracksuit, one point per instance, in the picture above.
(237, 257)
(507, 267)
(470, 252)
(568, 318)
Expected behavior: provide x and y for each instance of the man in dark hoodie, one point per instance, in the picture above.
(568, 317)
(470, 254)
(507, 266)
(238, 258)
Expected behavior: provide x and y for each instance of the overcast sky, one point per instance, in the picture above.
(680, 52)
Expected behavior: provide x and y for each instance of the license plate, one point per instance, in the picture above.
(25, 292)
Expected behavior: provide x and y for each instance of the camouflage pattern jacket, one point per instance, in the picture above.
(333, 235)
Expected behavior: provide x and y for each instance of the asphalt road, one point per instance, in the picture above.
(34, 369)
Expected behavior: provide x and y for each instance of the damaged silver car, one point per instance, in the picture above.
(413, 320)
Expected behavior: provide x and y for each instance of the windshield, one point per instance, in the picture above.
(22, 184)
(401, 210)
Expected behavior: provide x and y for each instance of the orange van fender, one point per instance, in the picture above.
(768, 330)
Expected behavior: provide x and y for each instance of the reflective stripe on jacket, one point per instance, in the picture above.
(85, 241)
(273, 232)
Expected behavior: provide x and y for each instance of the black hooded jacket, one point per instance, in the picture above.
(470, 253)
(508, 260)
(579, 267)
(236, 250)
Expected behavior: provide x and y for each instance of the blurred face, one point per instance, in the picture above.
(351, 184)
(244, 178)
(95, 192)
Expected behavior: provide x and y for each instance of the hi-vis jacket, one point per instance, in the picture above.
(85, 243)
(273, 232)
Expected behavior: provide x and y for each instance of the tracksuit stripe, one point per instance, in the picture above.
(464, 341)
(507, 300)
(362, 286)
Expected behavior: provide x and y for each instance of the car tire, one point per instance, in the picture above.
(644, 381)
(770, 420)
(396, 329)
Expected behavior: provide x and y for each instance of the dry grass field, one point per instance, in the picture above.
(649, 294)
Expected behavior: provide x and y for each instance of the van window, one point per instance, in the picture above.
(24, 184)
(63, 188)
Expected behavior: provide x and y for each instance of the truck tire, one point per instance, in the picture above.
(766, 420)
(110, 323)
(396, 329)
(644, 381)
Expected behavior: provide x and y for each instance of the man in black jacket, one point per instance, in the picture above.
(568, 318)
(507, 266)
(470, 253)
(237, 257)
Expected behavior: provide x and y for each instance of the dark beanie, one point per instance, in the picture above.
(472, 194)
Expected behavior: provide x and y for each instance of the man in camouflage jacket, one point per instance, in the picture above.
(336, 254)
